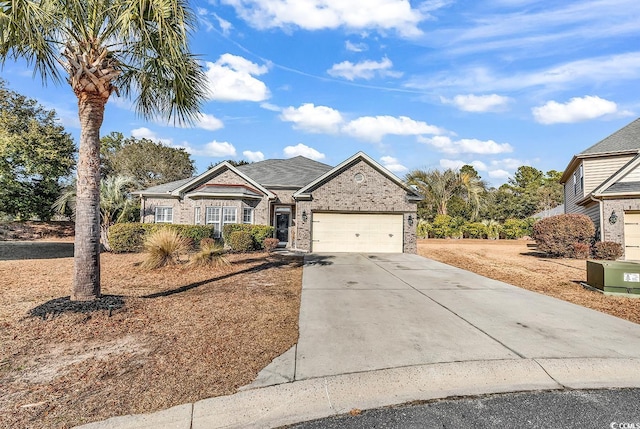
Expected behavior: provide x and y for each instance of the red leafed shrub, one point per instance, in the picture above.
(557, 235)
(581, 250)
(270, 244)
(607, 250)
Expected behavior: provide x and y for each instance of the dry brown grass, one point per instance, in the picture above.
(183, 335)
(511, 261)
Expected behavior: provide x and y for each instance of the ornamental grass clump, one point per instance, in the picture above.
(164, 247)
(211, 254)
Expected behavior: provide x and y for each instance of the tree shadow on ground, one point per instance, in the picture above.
(267, 264)
(58, 306)
(20, 250)
(310, 260)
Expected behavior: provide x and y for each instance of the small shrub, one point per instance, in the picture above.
(475, 230)
(130, 237)
(211, 254)
(493, 229)
(515, 228)
(581, 250)
(441, 226)
(258, 232)
(608, 250)
(163, 247)
(423, 229)
(240, 241)
(557, 235)
(270, 244)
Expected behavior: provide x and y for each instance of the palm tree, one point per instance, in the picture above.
(473, 189)
(438, 187)
(137, 48)
(115, 203)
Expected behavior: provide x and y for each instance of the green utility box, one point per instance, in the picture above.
(619, 277)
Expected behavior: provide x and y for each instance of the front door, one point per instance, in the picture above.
(282, 227)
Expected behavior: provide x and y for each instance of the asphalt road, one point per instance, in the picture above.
(584, 409)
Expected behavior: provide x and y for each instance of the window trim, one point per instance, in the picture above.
(197, 215)
(246, 210)
(167, 214)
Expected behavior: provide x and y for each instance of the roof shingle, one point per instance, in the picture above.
(624, 140)
(292, 172)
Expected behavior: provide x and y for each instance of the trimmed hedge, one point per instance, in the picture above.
(558, 235)
(258, 233)
(608, 250)
(130, 237)
(240, 241)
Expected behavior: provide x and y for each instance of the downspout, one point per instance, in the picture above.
(601, 212)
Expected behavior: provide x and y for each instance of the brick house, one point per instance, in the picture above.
(357, 206)
(603, 182)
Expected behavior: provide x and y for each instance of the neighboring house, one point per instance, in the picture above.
(357, 206)
(603, 182)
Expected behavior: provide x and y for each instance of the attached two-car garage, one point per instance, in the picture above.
(357, 232)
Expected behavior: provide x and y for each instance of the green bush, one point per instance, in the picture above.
(441, 226)
(516, 228)
(240, 241)
(608, 250)
(557, 235)
(130, 237)
(475, 230)
(257, 232)
(423, 229)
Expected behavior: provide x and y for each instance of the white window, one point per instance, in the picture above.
(575, 184)
(212, 217)
(164, 215)
(229, 215)
(196, 216)
(581, 178)
(247, 215)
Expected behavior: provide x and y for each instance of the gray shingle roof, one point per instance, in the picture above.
(293, 172)
(623, 140)
(623, 187)
(166, 188)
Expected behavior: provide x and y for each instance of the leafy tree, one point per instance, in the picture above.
(35, 153)
(230, 161)
(147, 162)
(105, 46)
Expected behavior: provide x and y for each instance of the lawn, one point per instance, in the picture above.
(514, 262)
(174, 335)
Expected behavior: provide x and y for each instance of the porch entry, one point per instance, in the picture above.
(282, 223)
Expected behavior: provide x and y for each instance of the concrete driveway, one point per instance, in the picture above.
(363, 312)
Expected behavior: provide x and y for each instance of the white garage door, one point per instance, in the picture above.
(356, 232)
(632, 236)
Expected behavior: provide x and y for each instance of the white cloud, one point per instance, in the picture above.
(146, 133)
(499, 174)
(484, 147)
(225, 25)
(374, 128)
(313, 119)
(355, 47)
(271, 107)
(231, 78)
(478, 103)
(364, 70)
(303, 150)
(383, 15)
(508, 163)
(208, 122)
(216, 149)
(392, 164)
(575, 110)
(253, 156)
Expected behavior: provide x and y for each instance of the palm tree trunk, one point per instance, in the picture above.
(86, 272)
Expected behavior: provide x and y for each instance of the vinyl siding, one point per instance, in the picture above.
(597, 170)
(633, 176)
(593, 211)
(570, 194)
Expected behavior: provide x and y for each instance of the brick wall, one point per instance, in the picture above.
(615, 232)
(375, 194)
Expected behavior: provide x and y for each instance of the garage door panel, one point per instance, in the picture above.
(632, 236)
(356, 232)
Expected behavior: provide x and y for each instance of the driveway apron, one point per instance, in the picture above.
(363, 312)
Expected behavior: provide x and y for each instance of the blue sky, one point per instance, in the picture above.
(414, 84)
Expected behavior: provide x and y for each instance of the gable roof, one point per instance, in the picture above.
(625, 141)
(360, 156)
(165, 188)
(293, 172)
(614, 186)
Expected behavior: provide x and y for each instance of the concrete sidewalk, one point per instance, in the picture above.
(378, 330)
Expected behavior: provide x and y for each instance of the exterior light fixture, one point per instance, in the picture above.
(613, 218)
(410, 220)
(304, 216)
